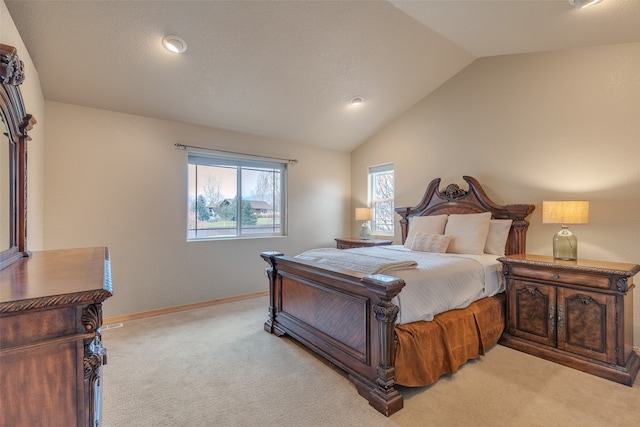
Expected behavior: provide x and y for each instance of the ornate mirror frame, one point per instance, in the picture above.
(17, 123)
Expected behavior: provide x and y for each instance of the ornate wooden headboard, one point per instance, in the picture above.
(455, 200)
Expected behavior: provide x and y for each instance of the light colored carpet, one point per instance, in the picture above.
(216, 366)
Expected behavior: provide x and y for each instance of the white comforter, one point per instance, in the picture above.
(439, 282)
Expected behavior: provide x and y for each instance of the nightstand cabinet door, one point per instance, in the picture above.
(532, 309)
(586, 324)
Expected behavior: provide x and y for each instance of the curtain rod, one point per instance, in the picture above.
(184, 147)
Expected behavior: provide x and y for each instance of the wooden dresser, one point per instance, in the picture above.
(577, 313)
(50, 345)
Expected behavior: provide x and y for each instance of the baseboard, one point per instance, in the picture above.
(168, 310)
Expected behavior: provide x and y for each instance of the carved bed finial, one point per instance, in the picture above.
(453, 191)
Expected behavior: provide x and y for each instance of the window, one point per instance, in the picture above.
(235, 197)
(381, 198)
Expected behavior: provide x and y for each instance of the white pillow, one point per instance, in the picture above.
(424, 224)
(425, 242)
(497, 237)
(469, 232)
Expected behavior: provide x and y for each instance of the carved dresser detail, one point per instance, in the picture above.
(577, 313)
(51, 352)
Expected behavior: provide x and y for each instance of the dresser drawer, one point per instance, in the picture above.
(558, 276)
(31, 327)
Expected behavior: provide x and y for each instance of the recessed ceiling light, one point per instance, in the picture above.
(174, 44)
(356, 100)
(583, 3)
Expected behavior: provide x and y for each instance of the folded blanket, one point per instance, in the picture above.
(361, 263)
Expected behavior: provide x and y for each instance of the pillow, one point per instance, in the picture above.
(469, 232)
(497, 237)
(425, 242)
(424, 224)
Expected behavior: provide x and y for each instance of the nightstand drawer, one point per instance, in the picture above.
(348, 243)
(568, 277)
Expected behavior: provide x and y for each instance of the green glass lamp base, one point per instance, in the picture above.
(565, 245)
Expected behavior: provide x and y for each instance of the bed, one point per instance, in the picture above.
(351, 318)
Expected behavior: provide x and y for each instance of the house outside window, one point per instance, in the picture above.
(231, 197)
(381, 198)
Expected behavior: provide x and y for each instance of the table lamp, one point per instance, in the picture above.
(564, 212)
(364, 214)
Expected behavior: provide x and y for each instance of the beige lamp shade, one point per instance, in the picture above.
(364, 214)
(565, 212)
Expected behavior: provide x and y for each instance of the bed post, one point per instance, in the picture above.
(272, 273)
(404, 222)
(384, 397)
(517, 242)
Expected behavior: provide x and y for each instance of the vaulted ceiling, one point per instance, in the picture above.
(287, 69)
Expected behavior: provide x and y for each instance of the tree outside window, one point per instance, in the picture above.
(234, 197)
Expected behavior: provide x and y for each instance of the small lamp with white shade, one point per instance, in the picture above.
(364, 214)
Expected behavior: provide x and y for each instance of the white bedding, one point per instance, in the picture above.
(439, 282)
(365, 263)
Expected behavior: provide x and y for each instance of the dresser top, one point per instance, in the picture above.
(622, 269)
(56, 277)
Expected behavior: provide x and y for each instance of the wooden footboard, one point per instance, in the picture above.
(348, 319)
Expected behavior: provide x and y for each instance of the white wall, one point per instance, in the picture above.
(117, 180)
(534, 127)
(34, 105)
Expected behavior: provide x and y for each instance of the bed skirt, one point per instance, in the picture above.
(427, 350)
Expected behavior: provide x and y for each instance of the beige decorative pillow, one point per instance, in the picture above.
(469, 232)
(425, 242)
(497, 237)
(424, 224)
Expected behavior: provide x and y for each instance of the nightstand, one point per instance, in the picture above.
(577, 313)
(348, 242)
